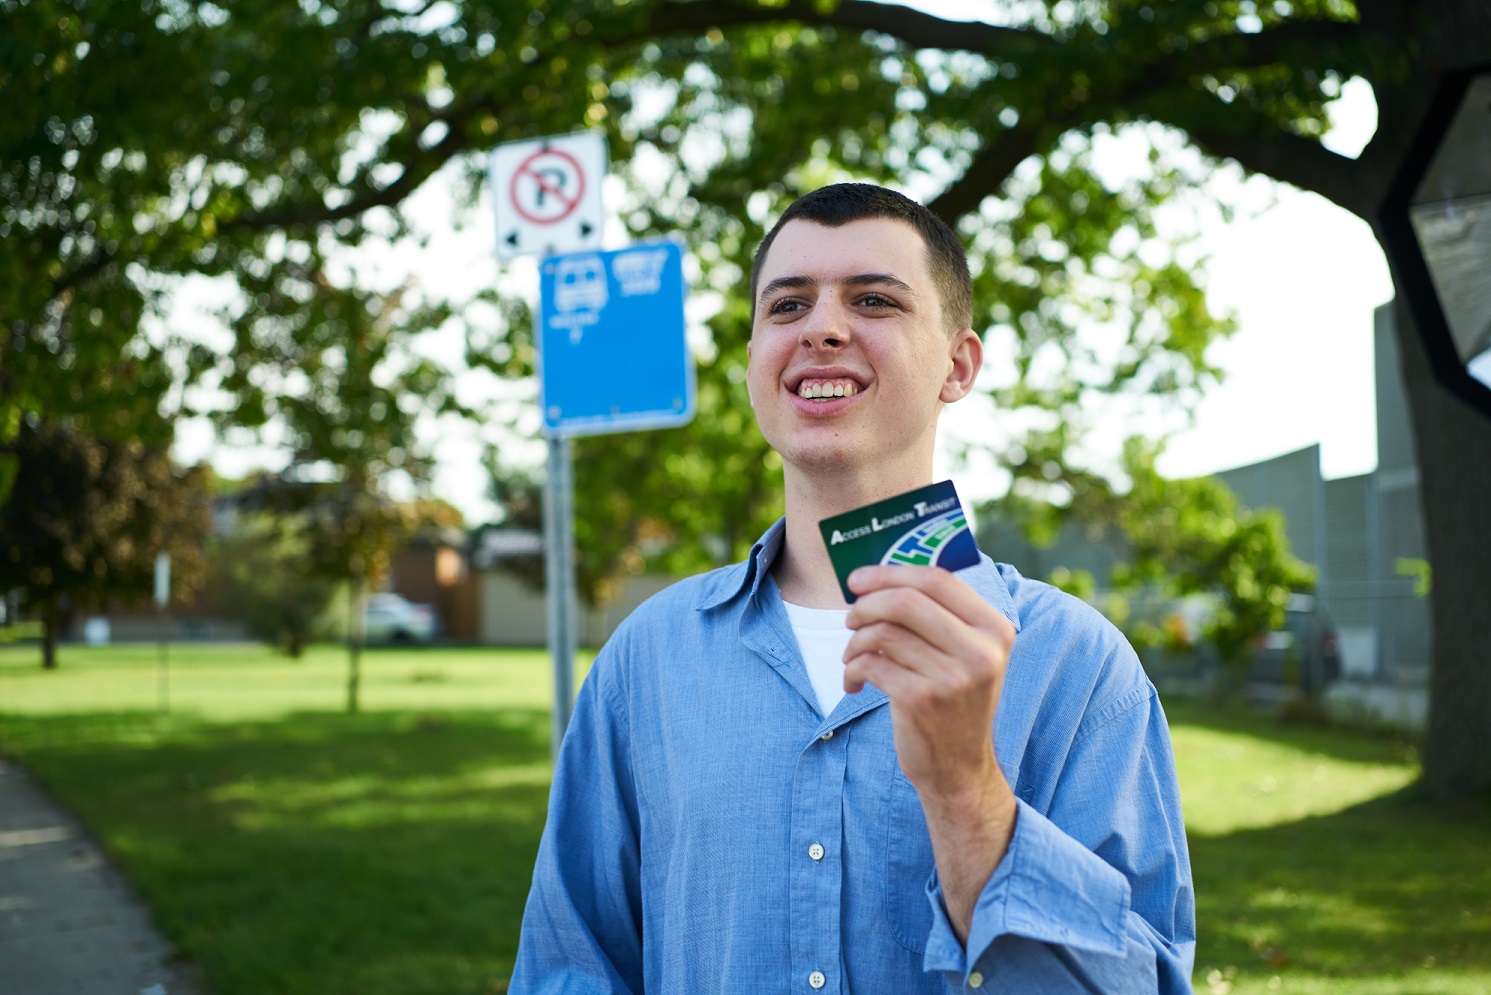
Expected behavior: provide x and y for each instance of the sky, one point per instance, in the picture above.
(1301, 276)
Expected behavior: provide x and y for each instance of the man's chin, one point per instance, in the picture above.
(827, 457)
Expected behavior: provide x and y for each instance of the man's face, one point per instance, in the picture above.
(850, 361)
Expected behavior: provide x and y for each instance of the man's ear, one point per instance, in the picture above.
(967, 358)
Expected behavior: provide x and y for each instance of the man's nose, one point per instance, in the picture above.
(827, 327)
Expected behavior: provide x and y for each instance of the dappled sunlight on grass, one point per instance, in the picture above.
(245, 681)
(373, 799)
(1231, 781)
(319, 853)
(288, 847)
(1318, 870)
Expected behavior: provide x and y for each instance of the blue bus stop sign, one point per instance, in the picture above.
(612, 355)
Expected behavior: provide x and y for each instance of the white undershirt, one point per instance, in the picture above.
(822, 638)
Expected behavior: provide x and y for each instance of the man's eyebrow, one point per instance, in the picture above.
(883, 279)
(785, 283)
(858, 280)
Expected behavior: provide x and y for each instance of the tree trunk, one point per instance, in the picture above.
(1454, 460)
(354, 642)
(51, 624)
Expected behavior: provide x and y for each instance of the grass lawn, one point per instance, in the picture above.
(287, 847)
(1316, 872)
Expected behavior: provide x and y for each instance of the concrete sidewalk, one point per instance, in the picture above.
(69, 924)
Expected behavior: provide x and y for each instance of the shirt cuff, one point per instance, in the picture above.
(1048, 887)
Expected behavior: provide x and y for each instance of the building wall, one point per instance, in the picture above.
(1403, 621)
(436, 574)
(1395, 448)
(600, 624)
(1095, 549)
(1348, 550)
(1350, 594)
(1363, 535)
(1292, 484)
(133, 626)
(513, 614)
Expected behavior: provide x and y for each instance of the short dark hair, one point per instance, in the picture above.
(842, 203)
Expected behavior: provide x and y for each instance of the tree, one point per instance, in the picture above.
(1249, 82)
(322, 118)
(267, 584)
(1242, 81)
(1166, 541)
(339, 386)
(86, 518)
(320, 122)
(1192, 537)
(70, 347)
(1180, 538)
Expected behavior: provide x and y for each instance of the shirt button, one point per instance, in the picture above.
(827, 736)
(815, 851)
(975, 980)
(817, 980)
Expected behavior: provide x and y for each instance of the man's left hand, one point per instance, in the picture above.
(939, 652)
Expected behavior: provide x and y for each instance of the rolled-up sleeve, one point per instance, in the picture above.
(1095, 894)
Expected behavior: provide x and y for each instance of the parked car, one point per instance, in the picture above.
(392, 618)
(1305, 653)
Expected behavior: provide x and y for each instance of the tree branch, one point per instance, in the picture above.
(987, 173)
(419, 168)
(1258, 144)
(910, 26)
(1381, 16)
(1286, 43)
(71, 279)
(914, 27)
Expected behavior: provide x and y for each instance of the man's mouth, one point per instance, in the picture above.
(824, 390)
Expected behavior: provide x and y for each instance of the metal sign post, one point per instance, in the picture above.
(559, 582)
(162, 599)
(612, 358)
(612, 355)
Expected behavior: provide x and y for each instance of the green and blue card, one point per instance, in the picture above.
(924, 527)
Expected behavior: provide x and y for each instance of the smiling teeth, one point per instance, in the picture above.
(820, 389)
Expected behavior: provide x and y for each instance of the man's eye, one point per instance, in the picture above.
(876, 300)
(785, 306)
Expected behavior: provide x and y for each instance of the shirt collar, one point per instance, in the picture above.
(984, 577)
(740, 577)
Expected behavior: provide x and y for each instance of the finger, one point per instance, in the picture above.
(910, 609)
(898, 662)
(903, 645)
(916, 611)
(939, 585)
(881, 671)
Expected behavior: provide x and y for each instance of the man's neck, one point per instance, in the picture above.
(803, 571)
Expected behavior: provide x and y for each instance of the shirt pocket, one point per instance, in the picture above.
(908, 865)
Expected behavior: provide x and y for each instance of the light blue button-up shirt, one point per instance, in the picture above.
(710, 831)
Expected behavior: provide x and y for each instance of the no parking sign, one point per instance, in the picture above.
(547, 193)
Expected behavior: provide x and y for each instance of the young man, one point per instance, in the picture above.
(963, 781)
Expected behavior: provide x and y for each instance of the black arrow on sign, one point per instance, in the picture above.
(512, 239)
(585, 229)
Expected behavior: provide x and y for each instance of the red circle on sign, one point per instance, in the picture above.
(532, 170)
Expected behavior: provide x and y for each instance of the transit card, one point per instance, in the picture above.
(923, 527)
